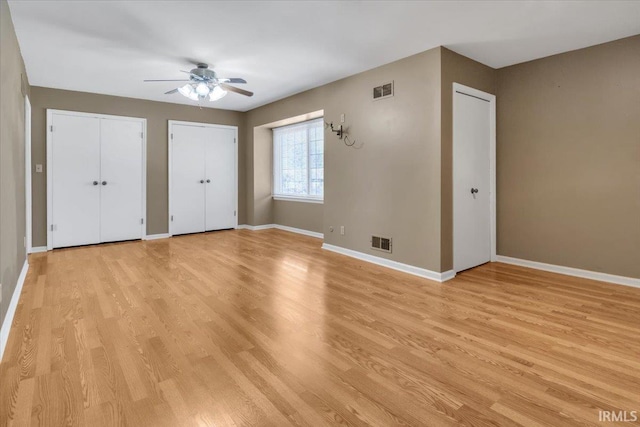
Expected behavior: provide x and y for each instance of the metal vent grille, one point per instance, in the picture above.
(381, 243)
(383, 91)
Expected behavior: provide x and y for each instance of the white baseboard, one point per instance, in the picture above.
(11, 311)
(300, 231)
(406, 268)
(38, 249)
(256, 227)
(282, 227)
(447, 275)
(156, 236)
(570, 271)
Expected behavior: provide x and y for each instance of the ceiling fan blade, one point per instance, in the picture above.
(179, 80)
(171, 91)
(235, 89)
(232, 80)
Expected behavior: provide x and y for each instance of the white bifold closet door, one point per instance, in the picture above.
(221, 180)
(203, 178)
(74, 177)
(121, 180)
(96, 179)
(187, 175)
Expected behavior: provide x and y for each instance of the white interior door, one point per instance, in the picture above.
(221, 179)
(75, 174)
(188, 179)
(471, 181)
(121, 180)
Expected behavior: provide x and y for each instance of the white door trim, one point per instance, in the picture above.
(27, 172)
(50, 113)
(170, 163)
(457, 87)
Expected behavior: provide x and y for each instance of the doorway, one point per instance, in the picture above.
(96, 178)
(474, 177)
(203, 172)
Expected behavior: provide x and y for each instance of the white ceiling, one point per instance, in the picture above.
(282, 48)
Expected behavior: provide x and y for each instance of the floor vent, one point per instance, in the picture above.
(383, 91)
(381, 243)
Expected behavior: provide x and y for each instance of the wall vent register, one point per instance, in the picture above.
(381, 243)
(383, 91)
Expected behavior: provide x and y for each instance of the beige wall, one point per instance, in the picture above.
(157, 115)
(13, 86)
(568, 159)
(390, 185)
(261, 207)
(306, 216)
(456, 69)
(262, 160)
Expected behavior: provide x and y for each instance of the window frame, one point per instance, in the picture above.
(277, 162)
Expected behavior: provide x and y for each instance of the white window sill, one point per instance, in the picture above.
(298, 199)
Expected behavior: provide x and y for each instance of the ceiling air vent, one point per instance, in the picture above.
(381, 243)
(383, 91)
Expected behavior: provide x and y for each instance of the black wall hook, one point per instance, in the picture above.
(338, 132)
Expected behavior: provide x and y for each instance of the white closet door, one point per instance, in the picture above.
(471, 181)
(121, 180)
(75, 174)
(188, 179)
(221, 179)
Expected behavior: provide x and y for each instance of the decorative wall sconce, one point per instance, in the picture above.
(338, 131)
(341, 132)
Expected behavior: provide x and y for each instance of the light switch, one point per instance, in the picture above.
(39, 168)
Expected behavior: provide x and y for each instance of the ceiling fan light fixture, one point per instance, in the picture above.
(186, 90)
(217, 93)
(204, 84)
(202, 89)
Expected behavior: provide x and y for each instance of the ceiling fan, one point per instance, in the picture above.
(203, 83)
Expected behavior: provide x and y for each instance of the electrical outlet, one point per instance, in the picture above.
(342, 118)
(342, 230)
(38, 168)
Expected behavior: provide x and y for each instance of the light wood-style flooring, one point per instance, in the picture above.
(264, 328)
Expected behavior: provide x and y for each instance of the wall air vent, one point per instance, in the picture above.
(383, 91)
(381, 243)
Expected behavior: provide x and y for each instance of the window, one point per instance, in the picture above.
(298, 161)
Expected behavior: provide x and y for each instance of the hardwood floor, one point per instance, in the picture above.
(265, 328)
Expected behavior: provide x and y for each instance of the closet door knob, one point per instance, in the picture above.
(95, 182)
(104, 182)
(208, 181)
(202, 181)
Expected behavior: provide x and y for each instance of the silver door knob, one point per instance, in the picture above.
(208, 181)
(202, 181)
(95, 182)
(474, 190)
(104, 182)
